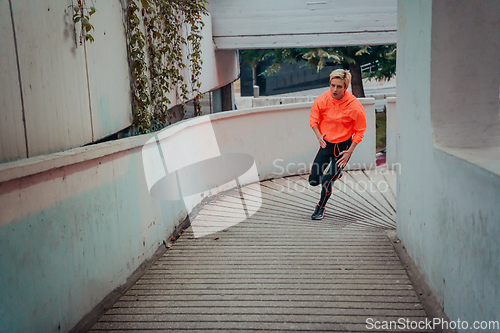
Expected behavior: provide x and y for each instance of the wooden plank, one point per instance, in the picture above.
(277, 270)
(332, 326)
(278, 310)
(267, 304)
(338, 202)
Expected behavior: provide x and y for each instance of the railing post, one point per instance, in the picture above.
(391, 133)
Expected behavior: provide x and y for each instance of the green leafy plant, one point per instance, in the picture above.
(138, 67)
(384, 59)
(82, 14)
(172, 40)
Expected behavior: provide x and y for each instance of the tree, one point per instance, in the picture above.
(253, 58)
(348, 56)
(381, 58)
(383, 62)
(281, 56)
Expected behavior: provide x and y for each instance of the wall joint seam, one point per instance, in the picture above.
(19, 78)
(88, 90)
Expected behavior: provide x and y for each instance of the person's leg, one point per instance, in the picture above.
(330, 176)
(321, 162)
(333, 173)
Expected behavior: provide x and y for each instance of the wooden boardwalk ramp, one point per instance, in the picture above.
(278, 270)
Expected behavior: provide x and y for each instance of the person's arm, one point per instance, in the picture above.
(359, 130)
(359, 124)
(319, 136)
(314, 119)
(346, 154)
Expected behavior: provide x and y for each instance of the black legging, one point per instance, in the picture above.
(325, 156)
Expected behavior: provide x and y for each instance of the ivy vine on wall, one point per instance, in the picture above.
(82, 14)
(172, 33)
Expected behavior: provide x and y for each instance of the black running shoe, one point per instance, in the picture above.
(318, 213)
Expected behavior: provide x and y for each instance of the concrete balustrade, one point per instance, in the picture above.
(269, 101)
(391, 132)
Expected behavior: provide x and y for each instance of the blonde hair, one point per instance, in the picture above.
(342, 74)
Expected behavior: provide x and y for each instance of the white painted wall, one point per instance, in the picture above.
(465, 110)
(364, 154)
(12, 134)
(58, 110)
(70, 235)
(391, 132)
(74, 94)
(219, 67)
(108, 71)
(74, 225)
(53, 77)
(448, 211)
(239, 24)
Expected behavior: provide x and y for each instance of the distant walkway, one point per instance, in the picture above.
(279, 271)
(379, 90)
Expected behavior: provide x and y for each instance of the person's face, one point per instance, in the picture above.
(337, 88)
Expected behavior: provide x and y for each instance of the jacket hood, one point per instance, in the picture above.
(346, 100)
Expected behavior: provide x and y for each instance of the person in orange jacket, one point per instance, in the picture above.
(338, 120)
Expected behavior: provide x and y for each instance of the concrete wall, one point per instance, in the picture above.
(12, 129)
(391, 132)
(364, 155)
(239, 24)
(57, 94)
(74, 225)
(448, 211)
(465, 110)
(108, 71)
(219, 67)
(465, 65)
(46, 71)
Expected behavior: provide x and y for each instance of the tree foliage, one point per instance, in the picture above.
(381, 60)
(253, 58)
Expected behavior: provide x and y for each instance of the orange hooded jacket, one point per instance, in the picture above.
(338, 119)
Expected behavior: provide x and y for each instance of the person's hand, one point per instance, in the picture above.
(346, 154)
(321, 140)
